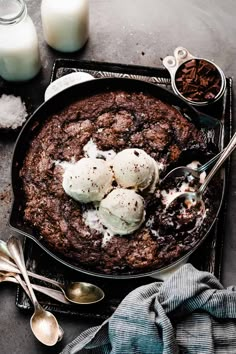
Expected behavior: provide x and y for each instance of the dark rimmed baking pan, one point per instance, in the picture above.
(58, 102)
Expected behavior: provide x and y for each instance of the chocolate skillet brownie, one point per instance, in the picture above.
(114, 121)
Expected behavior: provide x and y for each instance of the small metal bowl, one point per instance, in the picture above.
(175, 64)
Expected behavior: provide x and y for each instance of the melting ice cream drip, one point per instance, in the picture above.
(171, 194)
(92, 220)
(91, 150)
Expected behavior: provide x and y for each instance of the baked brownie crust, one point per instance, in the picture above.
(113, 120)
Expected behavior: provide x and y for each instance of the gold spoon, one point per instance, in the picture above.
(81, 293)
(15, 278)
(43, 323)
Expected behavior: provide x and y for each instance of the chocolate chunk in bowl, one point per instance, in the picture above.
(103, 117)
(198, 81)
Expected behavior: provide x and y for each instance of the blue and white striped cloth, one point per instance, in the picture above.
(190, 313)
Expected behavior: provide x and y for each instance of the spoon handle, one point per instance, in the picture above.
(227, 151)
(16, 251)
(17, 279)
(8, 266)
(4, 249)
(206, 165)
(4, 256)
(54, 294)
(47, 280)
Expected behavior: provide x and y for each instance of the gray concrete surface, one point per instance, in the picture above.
(131, 32)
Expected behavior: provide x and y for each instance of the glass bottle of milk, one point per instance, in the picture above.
(65, 23)
(19, 50)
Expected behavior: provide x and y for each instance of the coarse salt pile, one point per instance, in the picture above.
(12, 112)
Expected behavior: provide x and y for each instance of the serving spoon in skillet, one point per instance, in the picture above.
(195, 198)
(195, 172)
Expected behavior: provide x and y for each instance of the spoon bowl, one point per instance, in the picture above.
(195, 172)
(83, 293)
(43, 323)
(45, 327)
(14, 278)
(195, 198)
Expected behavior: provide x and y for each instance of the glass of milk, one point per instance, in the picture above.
(19, 50)
(65, 23)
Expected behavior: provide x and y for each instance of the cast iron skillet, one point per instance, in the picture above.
(58, 102)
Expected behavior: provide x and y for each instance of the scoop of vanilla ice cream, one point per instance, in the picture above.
(87, 180)
(122, 211)
(134, 168)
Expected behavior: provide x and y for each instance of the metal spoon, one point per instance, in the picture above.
(15, 278)
(82, 293)
(195, 198)
(185, 171)
(4, 249)
(43, 323)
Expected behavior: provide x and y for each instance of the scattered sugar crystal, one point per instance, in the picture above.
(12, 112)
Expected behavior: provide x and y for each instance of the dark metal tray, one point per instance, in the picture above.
(208, 257)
